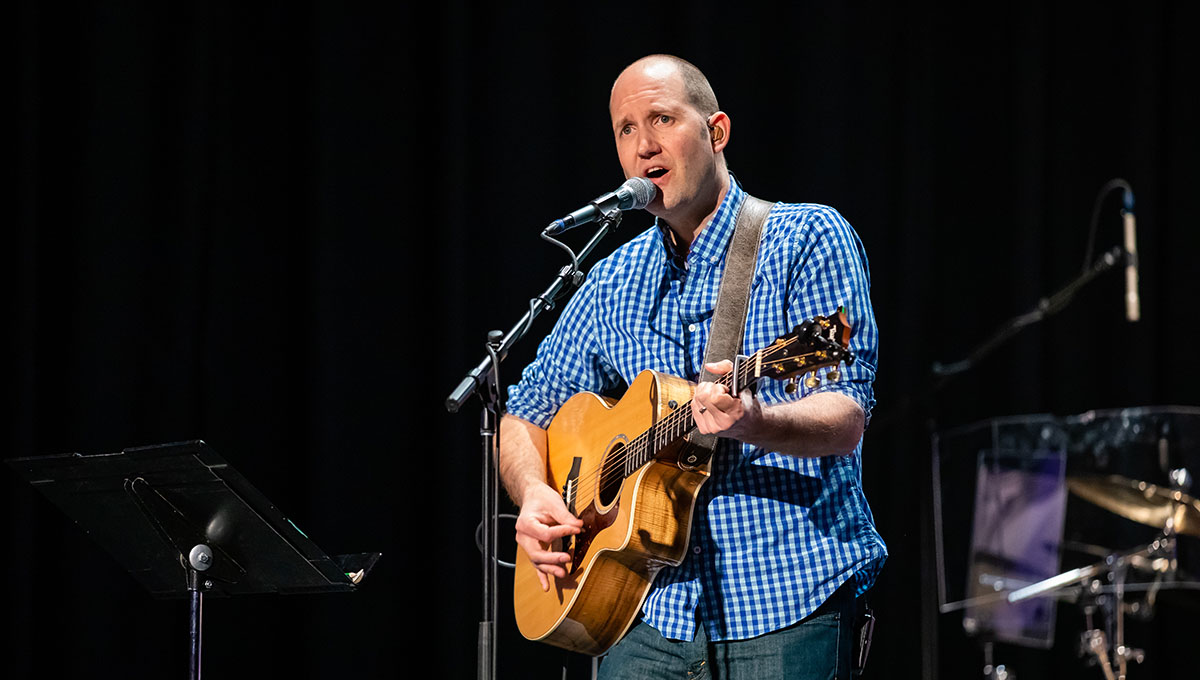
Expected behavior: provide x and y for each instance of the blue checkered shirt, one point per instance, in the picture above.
(773, 535)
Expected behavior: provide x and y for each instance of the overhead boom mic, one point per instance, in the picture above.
(1133, 304)
(635, 194)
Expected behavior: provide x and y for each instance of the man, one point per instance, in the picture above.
(782, 538)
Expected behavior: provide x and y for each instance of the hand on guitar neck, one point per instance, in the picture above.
(717, 411)
(824, 423)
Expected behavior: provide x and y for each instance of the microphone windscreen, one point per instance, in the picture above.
(636, 193)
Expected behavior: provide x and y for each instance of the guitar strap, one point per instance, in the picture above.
(729, 317)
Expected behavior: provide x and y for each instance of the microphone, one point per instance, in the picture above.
(1133, 305)
(635, 194)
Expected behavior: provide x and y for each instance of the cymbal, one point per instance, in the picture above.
(1140, 501)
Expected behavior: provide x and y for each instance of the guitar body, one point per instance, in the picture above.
(635, 521)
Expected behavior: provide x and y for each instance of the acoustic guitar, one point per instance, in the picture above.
(628, 470)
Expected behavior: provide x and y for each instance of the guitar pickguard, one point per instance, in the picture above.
(594, 522)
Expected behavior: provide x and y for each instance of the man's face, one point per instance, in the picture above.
(660, 135)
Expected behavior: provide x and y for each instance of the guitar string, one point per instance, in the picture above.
(670, 428)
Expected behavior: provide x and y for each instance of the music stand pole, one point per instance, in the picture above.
(199, 559)
(196, 621)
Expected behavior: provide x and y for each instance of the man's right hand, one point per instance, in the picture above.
(543, 520)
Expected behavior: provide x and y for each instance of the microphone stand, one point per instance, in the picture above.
(486, 375)
(1044, 308)
(941, 373)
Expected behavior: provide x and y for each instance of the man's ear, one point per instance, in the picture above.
(718, 129)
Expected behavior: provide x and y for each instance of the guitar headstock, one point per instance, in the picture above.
(820, 342)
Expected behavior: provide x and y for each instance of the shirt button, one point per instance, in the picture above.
(692, 327)
(696, 550)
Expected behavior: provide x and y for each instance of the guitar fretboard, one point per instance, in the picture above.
(678, 423)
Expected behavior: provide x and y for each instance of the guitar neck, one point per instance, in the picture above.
(678, 423)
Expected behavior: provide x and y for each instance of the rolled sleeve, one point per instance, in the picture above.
(830, 272)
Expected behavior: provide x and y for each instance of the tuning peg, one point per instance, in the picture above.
(812, 382)
(833, 375)
(790, 386)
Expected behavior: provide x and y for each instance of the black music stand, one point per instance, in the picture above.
(183, 522)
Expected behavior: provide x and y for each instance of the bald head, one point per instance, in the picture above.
(695, 86)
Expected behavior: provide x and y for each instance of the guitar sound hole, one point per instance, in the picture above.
(612, 473)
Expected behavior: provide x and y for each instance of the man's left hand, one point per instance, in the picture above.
(716, 411)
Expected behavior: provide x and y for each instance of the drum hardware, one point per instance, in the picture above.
(1100, 588)
(1095, 642)
(1180, 478)
(1000, 488)
(994, 671)
(1138, 562)
(1105, 642)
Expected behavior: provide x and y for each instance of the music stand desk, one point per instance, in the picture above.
(183, 522)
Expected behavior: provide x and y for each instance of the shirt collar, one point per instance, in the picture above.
(713, 240)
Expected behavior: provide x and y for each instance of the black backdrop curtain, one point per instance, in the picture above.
(287, 228)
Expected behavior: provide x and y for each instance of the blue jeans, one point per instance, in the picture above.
(817, 648)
